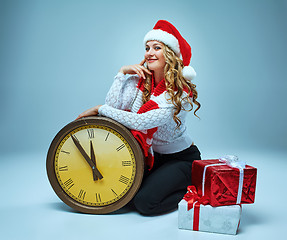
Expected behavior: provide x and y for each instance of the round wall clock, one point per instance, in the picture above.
(95, 165)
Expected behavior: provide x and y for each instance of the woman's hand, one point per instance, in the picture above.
(90, 112)
(138, 69)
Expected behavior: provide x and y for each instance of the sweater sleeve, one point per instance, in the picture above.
(122, 91)
(151, 119)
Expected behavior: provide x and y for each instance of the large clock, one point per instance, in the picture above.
(95, 165)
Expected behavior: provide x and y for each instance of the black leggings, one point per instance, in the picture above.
(164, 186)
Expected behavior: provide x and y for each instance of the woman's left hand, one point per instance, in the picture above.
(90, 112)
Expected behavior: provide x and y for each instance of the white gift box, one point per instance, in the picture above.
(223, 219)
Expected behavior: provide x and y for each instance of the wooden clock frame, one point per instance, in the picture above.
(126, 134)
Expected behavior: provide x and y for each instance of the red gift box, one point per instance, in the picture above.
(223, 184)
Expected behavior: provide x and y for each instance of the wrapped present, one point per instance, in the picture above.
(224, 181)
(194, 215)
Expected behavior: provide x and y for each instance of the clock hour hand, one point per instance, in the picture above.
(96, 172)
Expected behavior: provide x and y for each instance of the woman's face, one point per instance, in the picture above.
(154, 56)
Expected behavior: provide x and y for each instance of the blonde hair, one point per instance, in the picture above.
(175, 85)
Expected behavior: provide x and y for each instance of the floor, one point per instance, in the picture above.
(29, 209)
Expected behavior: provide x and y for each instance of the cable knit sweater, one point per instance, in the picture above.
(125, 95)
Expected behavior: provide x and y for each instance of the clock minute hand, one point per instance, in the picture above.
(96, 172)
(93, 157)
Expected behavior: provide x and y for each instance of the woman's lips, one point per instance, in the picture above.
(151, 60)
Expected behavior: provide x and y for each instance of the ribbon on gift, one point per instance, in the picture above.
(194, 201)
(192, 196)
(233, 162)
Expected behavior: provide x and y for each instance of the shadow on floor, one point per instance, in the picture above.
(60, 206)
(251, 217)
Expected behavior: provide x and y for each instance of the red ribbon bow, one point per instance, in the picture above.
(193, 198)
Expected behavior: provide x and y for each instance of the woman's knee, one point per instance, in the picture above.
(144, 204)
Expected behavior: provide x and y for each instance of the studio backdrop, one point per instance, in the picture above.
(58, 58)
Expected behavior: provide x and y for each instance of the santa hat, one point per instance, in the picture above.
(166, 33)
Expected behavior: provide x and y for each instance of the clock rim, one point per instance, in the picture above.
(122, 130)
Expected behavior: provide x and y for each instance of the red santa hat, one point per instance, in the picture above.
(166, 33)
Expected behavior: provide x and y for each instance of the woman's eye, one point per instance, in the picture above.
(146, 48)
(157, 48)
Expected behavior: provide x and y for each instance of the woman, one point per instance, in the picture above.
(153, 100)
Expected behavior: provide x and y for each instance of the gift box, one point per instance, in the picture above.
(223, 219)
(224, 181)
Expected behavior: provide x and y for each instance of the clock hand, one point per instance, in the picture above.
(93, 157)
(96, 172)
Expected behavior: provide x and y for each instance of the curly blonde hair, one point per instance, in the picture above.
(175, 85)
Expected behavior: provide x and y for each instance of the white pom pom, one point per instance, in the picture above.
(188, 73)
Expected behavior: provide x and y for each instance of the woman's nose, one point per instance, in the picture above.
(150, 51)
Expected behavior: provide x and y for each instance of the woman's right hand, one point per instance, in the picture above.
(90, 112)
(138, 69)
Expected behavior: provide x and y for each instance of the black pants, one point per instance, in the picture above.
(164, 186)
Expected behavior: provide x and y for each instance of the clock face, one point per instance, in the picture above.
(94, 167)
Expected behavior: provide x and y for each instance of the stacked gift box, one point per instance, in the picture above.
(213, 202)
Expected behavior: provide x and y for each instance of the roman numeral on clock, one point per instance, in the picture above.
(114, 192)
(82, 194)
(124, 179)
(126, 163)
(98, 197)
(120, 147)
(64, 168)
(69, 183)
(107, 137)
(76, 137)
(65, 152)
(91, 133)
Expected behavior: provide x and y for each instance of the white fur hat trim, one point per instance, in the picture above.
(164, 37)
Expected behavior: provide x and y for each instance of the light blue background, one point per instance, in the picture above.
(58, 58)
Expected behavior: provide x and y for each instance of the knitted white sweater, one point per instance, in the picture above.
(124, 95)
